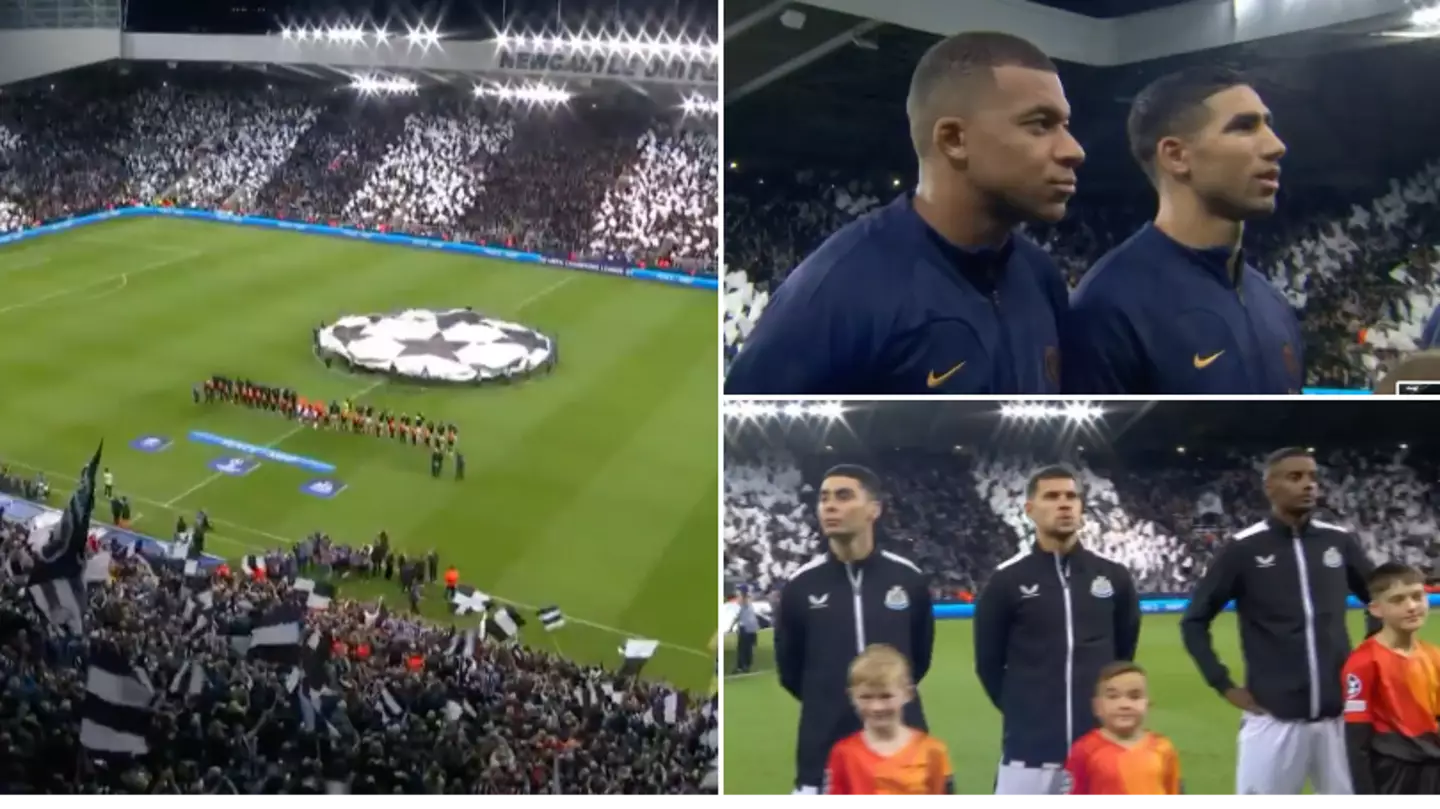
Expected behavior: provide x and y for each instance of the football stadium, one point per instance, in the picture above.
(1349, 242)
(1165, 486)
(308, 277)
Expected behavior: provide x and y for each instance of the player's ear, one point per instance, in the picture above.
(1172, 156)
(948, 136)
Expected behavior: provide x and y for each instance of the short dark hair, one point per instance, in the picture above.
(1057, 471)
(869, 481)
(1390, 574)
(1173, 105)
(1285, 454)
(1112, 670)
(957, 63)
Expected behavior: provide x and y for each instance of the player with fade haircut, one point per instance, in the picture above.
(1392, 692)
(856, 594)
(1177, 308)
(1048, 621)
(1122, 757)
(886, 757)
(1289, 576)
(936, 293)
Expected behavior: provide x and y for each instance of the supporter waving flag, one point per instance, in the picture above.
(56, 581)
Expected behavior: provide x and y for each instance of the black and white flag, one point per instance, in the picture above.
(391, 709)
(467, 599)
(552, 618)
(197, 586)
(190, 679)
(503, 624)
(462, 645)
(115, 717)
(196, 618)
(180, 548)
(321, 594)
(56, 580)
(276, 636)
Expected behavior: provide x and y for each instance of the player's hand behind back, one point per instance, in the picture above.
(1242, 698)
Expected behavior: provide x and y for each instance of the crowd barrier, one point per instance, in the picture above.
(1165, 605)
(673, 278)
(26, 513)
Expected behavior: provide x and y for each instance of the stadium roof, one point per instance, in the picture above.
(799, 74)
(867, 427)
(664, 46)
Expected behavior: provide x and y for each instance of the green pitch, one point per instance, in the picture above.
(593, 488)
(760, 717)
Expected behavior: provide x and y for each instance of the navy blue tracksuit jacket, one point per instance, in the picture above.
(888, 306)
(1156, 317)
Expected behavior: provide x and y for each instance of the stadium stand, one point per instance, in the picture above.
(504, 720)
(633, 182)
(958, 513)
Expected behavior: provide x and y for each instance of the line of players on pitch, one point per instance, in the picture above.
(437, 437)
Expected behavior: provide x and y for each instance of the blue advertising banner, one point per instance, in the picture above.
(674, 278)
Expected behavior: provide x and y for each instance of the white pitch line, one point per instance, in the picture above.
(546, 291)
(123, 277)
(288, 541)
(291, 433)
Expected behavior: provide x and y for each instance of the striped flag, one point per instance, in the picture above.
(318, 594)
(56, 580)
(190, 679)
(388, 707)
(276, 636)
(552, 618)
(504, 624)
(115, 717)
(672, 707)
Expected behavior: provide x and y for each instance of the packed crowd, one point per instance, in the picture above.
(959, 515)
(668, 203)
(1361, 273)
(607, 183)
(396, 705)
(431, 175)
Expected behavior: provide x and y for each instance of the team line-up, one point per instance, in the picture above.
(854, 634)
